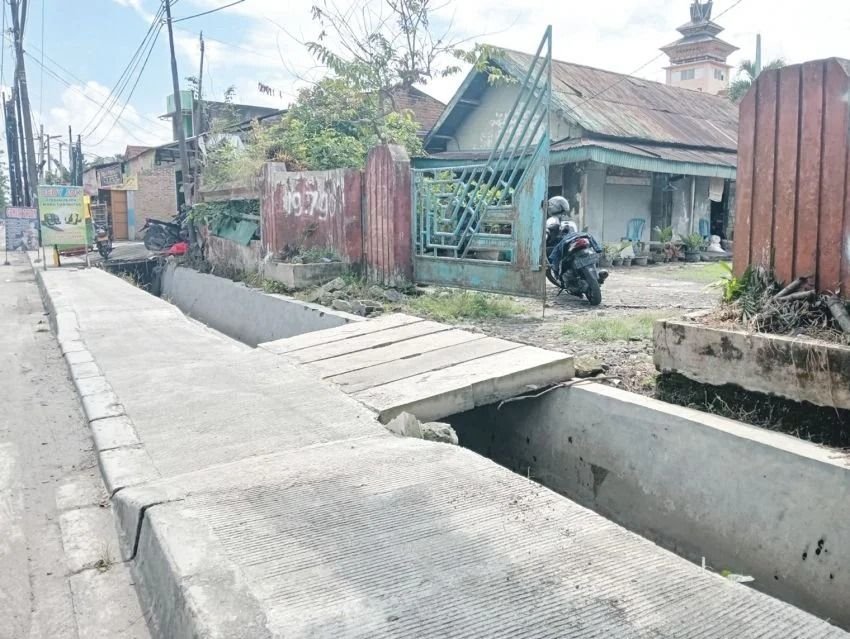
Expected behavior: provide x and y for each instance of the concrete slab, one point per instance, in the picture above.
(88, 537)
(407, 349)
(102, 405)
(391, 537)
(437, 394)
(78, 357)
(123, 617)
(81, 489)
(129, 466)
(114, 432)
(308, 340)
(365, 342)
(91, 385)
(397, 369)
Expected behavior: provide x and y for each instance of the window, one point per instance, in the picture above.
(687, 74)
(719, 75)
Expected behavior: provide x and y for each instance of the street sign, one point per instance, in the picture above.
(61, 210)
(21, 228)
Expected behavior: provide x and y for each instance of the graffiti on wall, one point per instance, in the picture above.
(312, 197)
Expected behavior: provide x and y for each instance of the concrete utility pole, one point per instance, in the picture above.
(199, 124)
(41, 153)
(48, 138)
(19, 20)
(178, 119)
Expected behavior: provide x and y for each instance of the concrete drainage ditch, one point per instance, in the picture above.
(744, 499)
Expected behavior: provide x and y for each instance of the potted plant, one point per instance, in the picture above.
(693, 247)
(609, 254)
(640, 260)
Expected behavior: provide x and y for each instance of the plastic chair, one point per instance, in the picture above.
(634, 229)
(704, 228)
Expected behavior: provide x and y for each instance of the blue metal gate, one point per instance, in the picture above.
(480, 226)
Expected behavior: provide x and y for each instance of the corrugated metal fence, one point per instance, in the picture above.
(793, 157)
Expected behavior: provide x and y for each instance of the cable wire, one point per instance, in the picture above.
(204, 13)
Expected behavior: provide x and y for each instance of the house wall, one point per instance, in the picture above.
(480, 130)
(624, 202)
(704, 76)
(156, 196)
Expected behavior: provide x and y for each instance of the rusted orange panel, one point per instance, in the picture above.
(761, 225)
(808, 192)
(785, 194)
(744, 186)
(833, 174)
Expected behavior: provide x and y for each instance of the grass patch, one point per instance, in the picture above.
(701, 273)
(456, 305)
(613, 329)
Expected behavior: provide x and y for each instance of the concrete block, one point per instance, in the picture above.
(746, 499)
(78, 357)
(71, 345)
(114, 432)
(102, 405)
(86, 369)
(88, 538)
(91, 385)
(81, 489)
(796, 368)
(127, 466)
(301, 276)
(187, 583)
(106, 605)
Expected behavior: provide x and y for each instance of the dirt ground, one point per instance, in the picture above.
(637, 295)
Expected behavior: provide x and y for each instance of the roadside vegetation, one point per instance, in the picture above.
(702, 273)
(452, 304)
(613, 329)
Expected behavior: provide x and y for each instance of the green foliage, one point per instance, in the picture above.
(739, 87)
(731, 286)
(220, 215)
(693, 242)
(613, 329)
(664, 234)
(452, 304)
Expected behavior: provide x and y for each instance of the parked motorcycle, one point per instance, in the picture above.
(160, 235)
(103, 242)
(572, 256)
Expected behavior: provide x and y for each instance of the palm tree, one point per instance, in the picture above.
(747, 75)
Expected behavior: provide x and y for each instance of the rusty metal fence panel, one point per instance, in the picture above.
(793, 206)
(312, 210)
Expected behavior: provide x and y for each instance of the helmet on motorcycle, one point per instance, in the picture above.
(558, 205)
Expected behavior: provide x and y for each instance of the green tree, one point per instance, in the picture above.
(746, 75)
(4, 186)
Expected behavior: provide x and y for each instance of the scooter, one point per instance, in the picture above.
(103, 242)
(572, 258)
(160, 235)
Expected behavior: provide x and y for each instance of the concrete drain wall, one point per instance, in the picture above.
(246, 314)
(749, 500)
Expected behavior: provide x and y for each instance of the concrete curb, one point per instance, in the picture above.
(123, 460)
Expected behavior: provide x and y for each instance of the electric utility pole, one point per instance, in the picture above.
(19, 20)
(198, 128)
(47, 139)
(178, 121)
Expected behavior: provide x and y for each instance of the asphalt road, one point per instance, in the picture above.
(45, 454)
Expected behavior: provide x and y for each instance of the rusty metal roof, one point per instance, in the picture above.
(604, 103)
(612, 104)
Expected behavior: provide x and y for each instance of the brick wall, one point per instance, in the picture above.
(157, 194)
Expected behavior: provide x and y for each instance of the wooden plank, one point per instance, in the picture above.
(315, 338)
(808, 187)
(363, 342)
(761, 246)
(845, 241)
(392, 352)
(431, 361)
(462, 387)
(788, 132)
(744, 187)
(831, 220)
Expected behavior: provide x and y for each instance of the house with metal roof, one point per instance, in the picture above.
(627, 152)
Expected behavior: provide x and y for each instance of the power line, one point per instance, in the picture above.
(132, 90)
(73, 87)
(641, 67)
(204, 13)
(123, 79)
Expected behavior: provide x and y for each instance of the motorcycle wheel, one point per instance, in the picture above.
(156, 239)
(594, 292)
(551, 277)
(104, 250)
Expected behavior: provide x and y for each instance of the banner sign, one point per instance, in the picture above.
(61, 210)
(21, 228)
(110, 176)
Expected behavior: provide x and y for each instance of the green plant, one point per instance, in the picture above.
(693, 242)
(613, 329)
(612, 250)
(664, 234)
(456, 305)
(731, 286)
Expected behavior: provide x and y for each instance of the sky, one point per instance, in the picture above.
(78, 49)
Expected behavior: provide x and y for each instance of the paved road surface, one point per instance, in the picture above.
(50, 490)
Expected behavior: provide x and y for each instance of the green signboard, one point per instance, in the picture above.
(61, 210)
